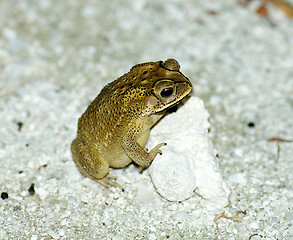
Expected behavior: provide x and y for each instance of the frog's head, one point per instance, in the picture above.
(169, 87)
(156, 86)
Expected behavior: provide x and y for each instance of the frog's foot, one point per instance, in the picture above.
(152, 154)
(106, 182)
(156, 150)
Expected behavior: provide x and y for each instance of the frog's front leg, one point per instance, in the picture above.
(133, 144)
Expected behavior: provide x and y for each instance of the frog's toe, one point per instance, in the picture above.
(106, 182)
(110, 176)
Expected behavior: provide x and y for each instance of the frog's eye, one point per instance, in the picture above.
(167, 92)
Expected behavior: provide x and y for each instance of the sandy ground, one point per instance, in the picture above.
(55, 56)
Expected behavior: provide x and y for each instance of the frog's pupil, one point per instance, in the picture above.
(166, 92)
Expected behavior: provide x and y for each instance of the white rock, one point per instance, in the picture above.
(145, 195)
(254, 225)
(188, 163)
(180, 216)
(34, 237)
(238, 178)
(61, 232)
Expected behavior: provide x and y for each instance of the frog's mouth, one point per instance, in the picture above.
(174, 106)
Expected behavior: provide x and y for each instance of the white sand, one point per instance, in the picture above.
(55, 58)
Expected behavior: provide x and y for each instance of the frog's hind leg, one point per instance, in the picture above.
(94, 168)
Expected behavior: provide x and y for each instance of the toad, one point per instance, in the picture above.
(114, 129)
